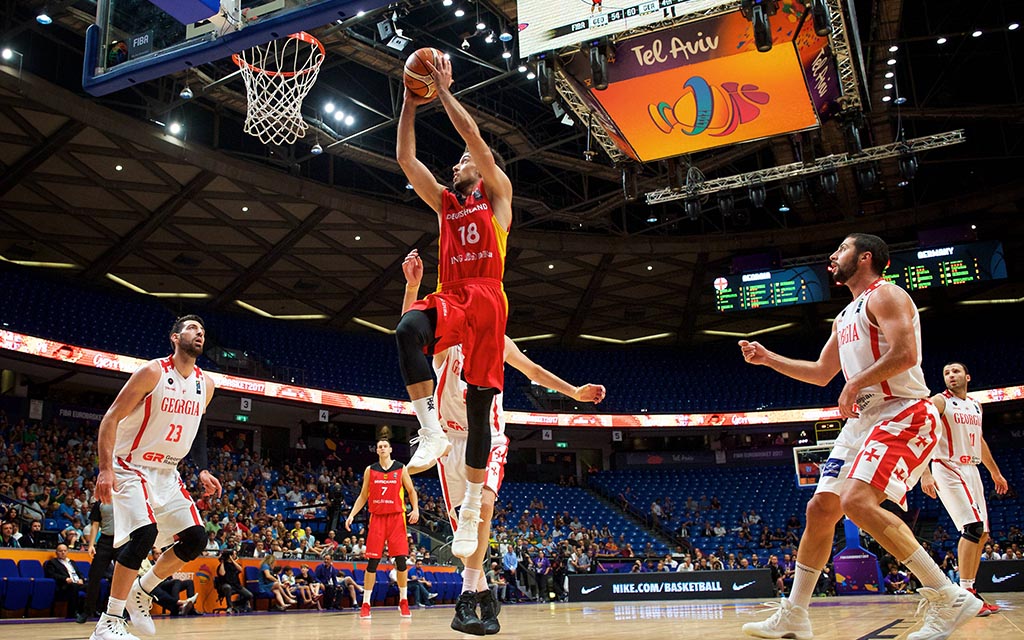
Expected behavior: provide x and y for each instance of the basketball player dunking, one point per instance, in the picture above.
(469, 306)
(883, 448)
(384, 486)
(150, 427)
(451, 407)
(954, 475)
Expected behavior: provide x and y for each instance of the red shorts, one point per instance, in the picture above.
(472, 313)
(389, 528)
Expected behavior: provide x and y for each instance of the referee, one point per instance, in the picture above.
(101, 550)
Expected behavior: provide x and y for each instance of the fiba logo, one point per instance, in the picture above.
(704, 107)
(203, 574)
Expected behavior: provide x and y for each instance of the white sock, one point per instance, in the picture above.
(426, 413)
(150, 581)
(804, 581)
(474, 494)
(366, 596)
(966, 584)
(929, 573)
(470, 578)
(115, 607)
(482, 584)
(403, 593)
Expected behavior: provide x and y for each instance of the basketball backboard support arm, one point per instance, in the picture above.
(98, 79)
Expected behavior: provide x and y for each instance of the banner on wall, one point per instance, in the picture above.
(71, 354)
(699, 585)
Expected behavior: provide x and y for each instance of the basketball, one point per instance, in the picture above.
(417, 74)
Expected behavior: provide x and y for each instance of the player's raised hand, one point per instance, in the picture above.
(442, 73)
(590, 393)
(412, 267)
(105, 486)
(416, 100)
(753, 352)
(211, 485)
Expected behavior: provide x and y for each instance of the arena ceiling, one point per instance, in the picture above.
(216, 215)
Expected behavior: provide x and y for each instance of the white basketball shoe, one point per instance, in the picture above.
(788, 621)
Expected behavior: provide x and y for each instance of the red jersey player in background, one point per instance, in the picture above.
(384, 487)
(954, 475)
(150, 427)
(882, 450)
(451, 407)
(469, 306)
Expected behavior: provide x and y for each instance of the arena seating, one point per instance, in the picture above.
(656, 379)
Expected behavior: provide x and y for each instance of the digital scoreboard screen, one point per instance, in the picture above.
(777, 288)
(947, 266)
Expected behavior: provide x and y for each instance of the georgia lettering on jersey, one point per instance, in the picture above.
(160, 431)
(960, 435)
(861, 344)
(472, 241)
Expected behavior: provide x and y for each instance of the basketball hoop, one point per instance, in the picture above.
(278, 75)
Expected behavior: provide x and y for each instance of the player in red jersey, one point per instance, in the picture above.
(883, 448)
(384, 486)
(150, 427)
(469, 306)
(954, 477)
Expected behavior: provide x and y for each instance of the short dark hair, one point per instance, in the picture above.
(179, 324)
(499, 159)
(865, 242)
(964, 366)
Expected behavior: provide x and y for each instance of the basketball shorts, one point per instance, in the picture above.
(960, 490)
(451, 468)
(150, 495)
(472, 313)
(387, 528)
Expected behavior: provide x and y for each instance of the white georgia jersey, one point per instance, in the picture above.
(160, 431)
(861, 344)
(960, 435)
(450, 397)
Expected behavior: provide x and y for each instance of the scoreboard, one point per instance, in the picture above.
(776, 288)
(948, 266)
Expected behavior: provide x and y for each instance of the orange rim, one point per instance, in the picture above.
(303, 36)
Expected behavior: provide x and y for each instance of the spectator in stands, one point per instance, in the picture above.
(419, 586)
(269, 583)
(656, 514)
(744, 564)
(715, 504)
(691, 504)
(496, 583)
(228, 583)
(755, 562)
(68, 582)
(950, 568)
(754, 518)
(989, 553)
(32, 539)
(715, 563)
(703, 505)
(895, 581)
(7, 538)
(719, 530)
(358, 550)
(686, 564)
(213, 547)
(793, 522)
(940, 534)
(776, 574)
(70, 537)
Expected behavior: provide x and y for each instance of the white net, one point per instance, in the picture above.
(278, 75)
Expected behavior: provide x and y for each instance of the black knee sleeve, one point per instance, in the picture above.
(400, 563)
(974, 532)
(191, 543)
(478, 409)
(371, 565)
(414, 331)
(139, 544)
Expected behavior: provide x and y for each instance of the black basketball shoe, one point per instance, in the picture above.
(489, 610)
(465, 619)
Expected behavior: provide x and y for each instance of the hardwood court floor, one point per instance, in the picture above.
(847, 618)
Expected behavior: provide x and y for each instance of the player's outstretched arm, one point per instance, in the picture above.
(357, 506)
(414, 500)
(1002, 486)
(139, 385)
(499, 187)
(412, 268)
(419, 176)
(818, 372)
(587, 393)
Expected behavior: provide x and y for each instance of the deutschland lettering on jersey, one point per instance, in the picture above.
(387, 495)
(472, 242)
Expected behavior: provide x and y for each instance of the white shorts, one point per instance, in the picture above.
(887, 447)
(147, 495)
(452, 471)
(959, 487)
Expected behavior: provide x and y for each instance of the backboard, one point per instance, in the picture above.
(808, 462)
(134, 41)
